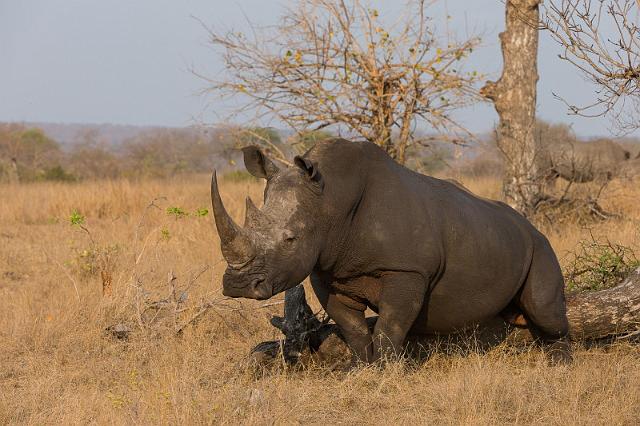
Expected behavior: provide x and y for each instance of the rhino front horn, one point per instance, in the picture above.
(235, 244)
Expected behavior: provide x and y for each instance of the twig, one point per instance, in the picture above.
(75, 286)
(629, 335)
(266, 305)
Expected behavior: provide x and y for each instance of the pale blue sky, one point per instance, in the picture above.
(127, 61)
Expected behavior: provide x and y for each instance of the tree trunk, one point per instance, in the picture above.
(514, 98)
(9, 171)
(298, 325)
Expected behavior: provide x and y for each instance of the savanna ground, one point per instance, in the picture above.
(59, 364)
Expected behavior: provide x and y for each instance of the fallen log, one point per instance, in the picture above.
(612, 313)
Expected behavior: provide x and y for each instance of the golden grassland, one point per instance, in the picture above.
(58, 364)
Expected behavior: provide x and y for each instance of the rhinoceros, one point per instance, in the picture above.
(598, 160)
(425, 254)
(630, 169)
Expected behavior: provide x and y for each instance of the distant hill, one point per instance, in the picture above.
(69, 133)
(113, 135)
(66, 134)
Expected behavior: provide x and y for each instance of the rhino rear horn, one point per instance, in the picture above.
(236, 245)
(252, 213)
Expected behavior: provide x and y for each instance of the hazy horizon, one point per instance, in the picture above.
(127, 63)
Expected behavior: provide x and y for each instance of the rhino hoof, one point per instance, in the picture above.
(559, 353)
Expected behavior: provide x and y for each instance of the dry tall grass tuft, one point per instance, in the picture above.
(60, 364)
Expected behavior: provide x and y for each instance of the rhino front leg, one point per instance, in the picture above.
(348, 315)
(401, 300)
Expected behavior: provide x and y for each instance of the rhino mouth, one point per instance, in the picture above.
(257, 288)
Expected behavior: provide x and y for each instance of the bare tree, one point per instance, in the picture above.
(514, 97)
(602, 40)
(335, 62)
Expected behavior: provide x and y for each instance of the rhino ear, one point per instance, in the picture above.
(258, 164)
(307, 166)
(310, 169)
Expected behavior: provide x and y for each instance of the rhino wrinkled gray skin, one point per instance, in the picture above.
(425, 254)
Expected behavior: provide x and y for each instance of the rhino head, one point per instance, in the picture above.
(279, 244)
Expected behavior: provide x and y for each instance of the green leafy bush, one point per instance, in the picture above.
(57, 173)
(597, 265)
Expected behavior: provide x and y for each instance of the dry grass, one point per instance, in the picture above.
(58, 365)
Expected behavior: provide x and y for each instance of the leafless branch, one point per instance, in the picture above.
(601, 38)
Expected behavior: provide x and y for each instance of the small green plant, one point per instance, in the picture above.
(597, 265)
(201, 212)
(97, 259)
(176, 212)
(165, 235)
(76, 218)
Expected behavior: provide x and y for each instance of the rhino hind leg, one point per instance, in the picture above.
(543, 304)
